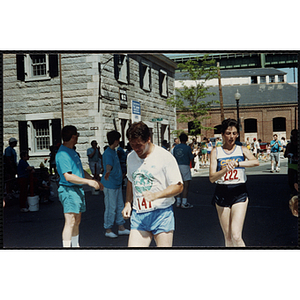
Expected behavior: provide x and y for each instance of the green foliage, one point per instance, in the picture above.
(190, 99)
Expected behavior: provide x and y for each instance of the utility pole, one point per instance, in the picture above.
(220, 92)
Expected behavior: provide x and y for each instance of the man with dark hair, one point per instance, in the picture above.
(70, 191)
(94, 157)
(275, 153)
(112, 180)
(153, 181)
(10, 165)
(183, 154)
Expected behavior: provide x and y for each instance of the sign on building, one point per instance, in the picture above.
(135, 111)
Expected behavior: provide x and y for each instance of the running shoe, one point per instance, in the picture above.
(187, 205)
(111, 235)
(124, 232)
(24, 210)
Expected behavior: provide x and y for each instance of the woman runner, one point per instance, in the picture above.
(227, 170)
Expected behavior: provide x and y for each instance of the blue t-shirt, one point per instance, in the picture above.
(275, 147)
(22, 169)
(110, 157)
(183, 154)
(67, 160)
(10, 151)
(95, 158)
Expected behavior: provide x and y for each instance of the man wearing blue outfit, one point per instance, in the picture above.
(112, 180)
(275, 153)
(70, 191)
(184, 156)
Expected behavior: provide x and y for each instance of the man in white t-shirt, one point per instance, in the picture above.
(153, 181)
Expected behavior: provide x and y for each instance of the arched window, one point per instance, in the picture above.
(250, 125)
(279, 124)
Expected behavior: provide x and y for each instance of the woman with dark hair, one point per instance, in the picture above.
(227, 170)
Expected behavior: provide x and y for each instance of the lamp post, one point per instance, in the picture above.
(237, 97)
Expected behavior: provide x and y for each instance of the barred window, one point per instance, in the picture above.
(39, 65)
(42, 135)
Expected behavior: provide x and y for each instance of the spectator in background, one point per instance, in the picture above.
(218, 142)
(10, 166)
(204, 151)
(283, 144)
(112, 180)
(275, 153)
(248, 144)
(94, 158)
(122, 157)
(70, 191)
(165, 144)
(176, 142)
(183, 154)
(209, 149)
(255, 147)
(52, 164)
(23, 179)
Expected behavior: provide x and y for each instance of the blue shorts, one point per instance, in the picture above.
(72, 199)
(156, 221)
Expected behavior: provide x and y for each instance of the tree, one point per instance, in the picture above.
(189, 100)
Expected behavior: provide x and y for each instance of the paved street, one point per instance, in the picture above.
(268, 223)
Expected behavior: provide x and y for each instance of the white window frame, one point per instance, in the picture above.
(32, 144)
(164, 83)
(146, 77)
(29, 70)
(123, 69)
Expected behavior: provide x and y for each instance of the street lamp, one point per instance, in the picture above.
(237, 97)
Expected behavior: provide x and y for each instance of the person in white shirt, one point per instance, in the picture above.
(153, 181)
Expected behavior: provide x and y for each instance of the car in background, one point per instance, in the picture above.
(213, 141)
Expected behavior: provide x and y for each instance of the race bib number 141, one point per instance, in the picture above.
(144, 205)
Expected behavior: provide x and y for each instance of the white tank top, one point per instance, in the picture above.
(236, 175)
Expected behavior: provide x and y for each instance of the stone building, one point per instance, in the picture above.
(268, 104)
(94, 92)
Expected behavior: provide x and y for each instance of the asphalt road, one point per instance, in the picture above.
(268, 223)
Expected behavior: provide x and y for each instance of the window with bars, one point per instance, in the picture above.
(36, 67)
(39, 65)
(41, 135)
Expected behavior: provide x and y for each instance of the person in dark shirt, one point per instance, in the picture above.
(23, 178)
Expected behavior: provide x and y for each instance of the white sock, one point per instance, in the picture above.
(66, 244)
(75, 242)
(178, 200)
(184, 200)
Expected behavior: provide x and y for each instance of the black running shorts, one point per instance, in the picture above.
(228, 194)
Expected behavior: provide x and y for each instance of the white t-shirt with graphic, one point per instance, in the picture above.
(154, 173)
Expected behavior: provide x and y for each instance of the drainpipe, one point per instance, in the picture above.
(61, 93)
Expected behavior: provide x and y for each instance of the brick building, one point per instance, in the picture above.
(94, 92)
(268, 104)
